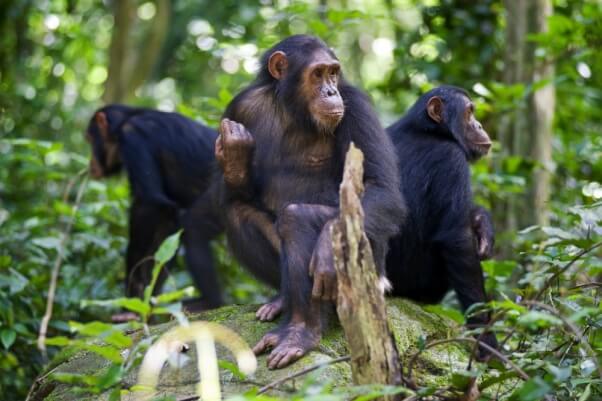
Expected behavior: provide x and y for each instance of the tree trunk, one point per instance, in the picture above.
(124, 12)
(149, 53)
(361, 301)
(512, 126)
(131, 64)
(541, 114)
(527, 131)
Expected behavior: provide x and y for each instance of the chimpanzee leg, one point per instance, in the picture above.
(253, 238)
(466, 277)
(299, 226)
(149, 226)
(201, 225)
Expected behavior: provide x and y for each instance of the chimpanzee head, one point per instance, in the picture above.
(102, 136)
(451, 109)
(306, 74)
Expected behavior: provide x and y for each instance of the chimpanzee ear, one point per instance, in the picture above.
(103, 125)
(434, 108)
(278, 64)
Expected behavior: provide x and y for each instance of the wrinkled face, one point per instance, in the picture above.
(477, 140)
(456, 114)
(105, 159)
(96, 170)
(319, 87)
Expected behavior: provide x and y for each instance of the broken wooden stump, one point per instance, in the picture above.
(361, 301)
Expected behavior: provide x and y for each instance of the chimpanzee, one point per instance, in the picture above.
(169, 160)
(282, 146)
(444, 234)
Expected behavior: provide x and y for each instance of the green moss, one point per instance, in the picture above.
(408, 322)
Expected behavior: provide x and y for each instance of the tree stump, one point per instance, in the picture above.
(361, 301)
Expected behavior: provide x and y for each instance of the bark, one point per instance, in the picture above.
(513, 127)
(542, 104)
(527, 132)
(149, 53)
(124, 12)
(361, 301)
(131, 64)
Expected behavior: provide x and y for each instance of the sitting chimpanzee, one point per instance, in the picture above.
(169, 160)
(444, 234)
(294, 125)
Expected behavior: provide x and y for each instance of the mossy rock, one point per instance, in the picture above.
(409, 323)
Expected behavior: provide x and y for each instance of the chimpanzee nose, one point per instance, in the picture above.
(331, 92)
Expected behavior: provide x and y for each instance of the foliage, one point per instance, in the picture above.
(53, 68)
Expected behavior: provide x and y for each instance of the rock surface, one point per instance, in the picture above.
(409, 323)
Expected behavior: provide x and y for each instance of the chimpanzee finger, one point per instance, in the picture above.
(267, 342)
(317, 289)
(224, 126)
(484, 249)
(312, 266)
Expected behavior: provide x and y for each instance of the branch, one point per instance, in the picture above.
(495, 352)
(345, 358)
(549, 282)
(571, 326)
(57, 266)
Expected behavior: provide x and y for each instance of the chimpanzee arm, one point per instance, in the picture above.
(451, 199)
(383, 204)
(482, 227)
(236, 140)
(143, 171)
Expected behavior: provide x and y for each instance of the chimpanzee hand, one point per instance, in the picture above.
(482, 227)
(321, 267)
(234, 148)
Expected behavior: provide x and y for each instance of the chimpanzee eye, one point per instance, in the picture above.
(318, 73)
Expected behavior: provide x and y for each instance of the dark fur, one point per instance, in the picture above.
(169, 160)
(298, 197)
(436, 249)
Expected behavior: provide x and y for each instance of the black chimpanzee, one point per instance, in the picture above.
(444, 234)
(169, 160)
(282, 147)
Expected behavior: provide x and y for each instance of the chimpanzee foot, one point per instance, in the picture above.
(288, 344)
(271, 310)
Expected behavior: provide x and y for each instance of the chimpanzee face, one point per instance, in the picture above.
(477, 140)
(455, 114)
(105, 159)
(317, 85)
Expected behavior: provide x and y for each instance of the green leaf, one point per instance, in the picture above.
(172, 296)
(586, 393)
(232, 368)
(168, 248)
(534, 320)
(166, 251)
(446, 311)
(92, 329)
(461, 378)
(532, 390)
(8, 337)
(131, 304)
(59, 341)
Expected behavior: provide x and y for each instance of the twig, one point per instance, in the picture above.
(302, 372)
(587, 285)
(56, 268)
(549, 282)
(489, 348)
(437, 393)
(571, 326)
(475, 348)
